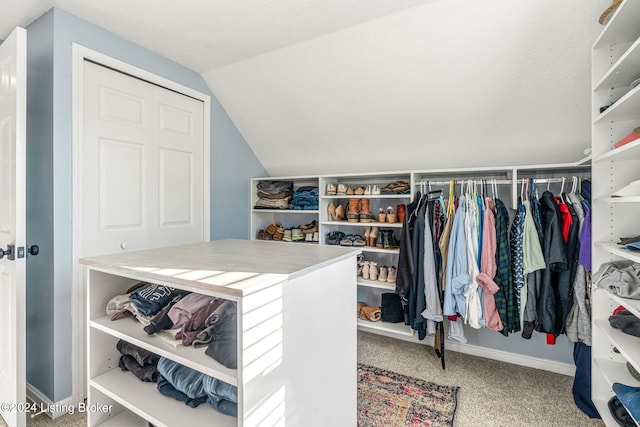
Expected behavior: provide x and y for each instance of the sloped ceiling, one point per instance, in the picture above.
(337, 86)
(454, 83)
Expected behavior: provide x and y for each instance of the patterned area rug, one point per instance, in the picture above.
(389, 399)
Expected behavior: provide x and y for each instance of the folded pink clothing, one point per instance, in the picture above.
(198, 322)
(184, 309)
(635, 134)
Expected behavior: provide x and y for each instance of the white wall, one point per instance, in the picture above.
(452, 83)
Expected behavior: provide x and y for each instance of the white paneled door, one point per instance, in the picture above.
(142, 164)
(13, 96)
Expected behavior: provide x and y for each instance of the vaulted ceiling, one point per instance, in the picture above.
(367, 85)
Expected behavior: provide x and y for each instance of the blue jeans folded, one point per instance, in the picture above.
(167, 389)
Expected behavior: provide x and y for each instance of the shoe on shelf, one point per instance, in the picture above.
(392, 275)
(373, 235)
(349, 191)
(382, 276)
(400, 209)
(358, 240)
(365, 270)
(380, 239)
(347, 240)
(287, 236)
(316, 237)
(331, 212)
(308, 237)
(367, 235)
(339, 216)
(330, 189)
(342, 189)
(296, 235)
(373, 271)
(359, 191)
(365, 211)
(391, 217)
(382, 217)
(367, 191)
(375, 190)
(353, 211)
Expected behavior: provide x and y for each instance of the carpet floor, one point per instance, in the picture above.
(491, 393)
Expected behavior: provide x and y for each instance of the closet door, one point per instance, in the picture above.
(142, 164)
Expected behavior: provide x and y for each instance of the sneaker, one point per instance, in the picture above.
(287, 236)
(342, 189)
(296, 235)
(316, 236)
(308, 237)
(330, 190)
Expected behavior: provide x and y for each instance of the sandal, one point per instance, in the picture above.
(347, 240)
(358, 240)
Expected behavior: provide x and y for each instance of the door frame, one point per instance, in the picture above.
(78, 295)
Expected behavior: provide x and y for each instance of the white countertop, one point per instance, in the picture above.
(228, 267)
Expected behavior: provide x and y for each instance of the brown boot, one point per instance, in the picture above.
(353, 211)
(400, 210)
(365, 211)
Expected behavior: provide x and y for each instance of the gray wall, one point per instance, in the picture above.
(50, 132)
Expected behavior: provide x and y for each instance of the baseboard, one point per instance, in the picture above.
(52, 409)
(489, 353)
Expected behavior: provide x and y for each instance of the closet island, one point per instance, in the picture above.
(296, 333)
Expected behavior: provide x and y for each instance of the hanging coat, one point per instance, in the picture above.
(404, 277)
(555, 254)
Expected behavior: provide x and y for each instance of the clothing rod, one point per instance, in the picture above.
(547, 180)
(457, 181)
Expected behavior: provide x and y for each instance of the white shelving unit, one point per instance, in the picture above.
(370, 291)
(287, 363)
(615, 64)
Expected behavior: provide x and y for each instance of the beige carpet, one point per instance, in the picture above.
(491, 393)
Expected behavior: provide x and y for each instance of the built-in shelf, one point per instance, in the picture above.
(288, 211)
(143, 399)
(365, 224)
(635, 199)
(619, 250)
(132, 331)
(391, 328)
(624, 71)
(633, 305)
(616, 372)
(630, 151)
(377, 284)
(625, 343)
(622, 27)
(625, 108)
(370, 196)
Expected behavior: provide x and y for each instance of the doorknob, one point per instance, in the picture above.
(8, 252)
(33, 250)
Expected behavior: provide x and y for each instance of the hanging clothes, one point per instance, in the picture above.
(404, 278)
(474, 312)
(489, 268)
(443, 242)
(532, 263)
(554, 249)
(432, 311)
(505, 301)
(515, 242)
(566, 278)
(457, 277)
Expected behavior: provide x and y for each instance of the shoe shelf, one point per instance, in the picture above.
(287, 211)
(624, 71)
(364, 224)
(624, 109)
(385, 327)
(376, 284)
(618, 200)
(369, 196)
(616, 372)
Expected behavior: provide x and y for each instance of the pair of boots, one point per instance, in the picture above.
(359, 210)
(368, 312)
(335, 213)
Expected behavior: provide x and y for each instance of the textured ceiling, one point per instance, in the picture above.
(454, 83)
(204, 34)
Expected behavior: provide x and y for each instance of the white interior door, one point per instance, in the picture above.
(13, 110)
(142, 164)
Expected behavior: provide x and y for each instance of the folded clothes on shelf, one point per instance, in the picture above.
(626, 322)
(635, 134)
(621, 278)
